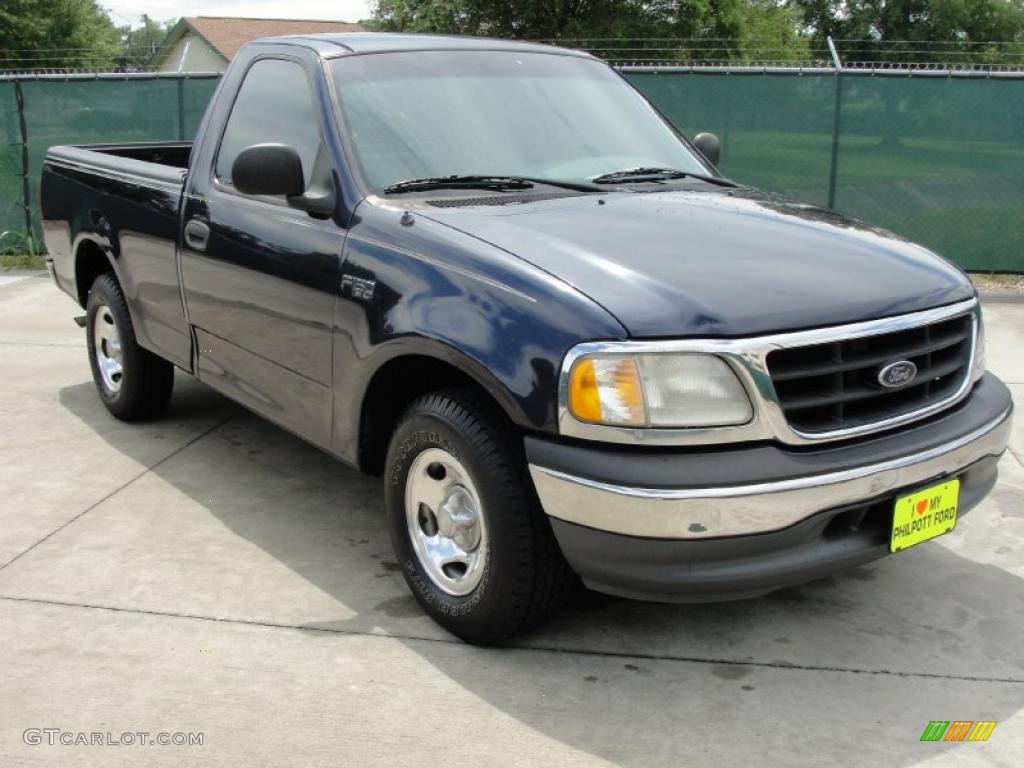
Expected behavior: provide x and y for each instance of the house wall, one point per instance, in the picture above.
(197, 54)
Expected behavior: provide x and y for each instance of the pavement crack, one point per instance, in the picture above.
(775, 665)
(121, 487)
(1013, 452)
(783, 665)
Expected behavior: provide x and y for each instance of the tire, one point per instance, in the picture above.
(458, 440)
(133, 383)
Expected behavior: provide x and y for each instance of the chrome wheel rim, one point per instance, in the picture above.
(107, 348)
(445, 521)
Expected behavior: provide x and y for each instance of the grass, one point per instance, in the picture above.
(998, 283)
(22, 261)
(20, 250)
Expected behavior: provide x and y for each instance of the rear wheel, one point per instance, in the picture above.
(133, 383)
(474, 545)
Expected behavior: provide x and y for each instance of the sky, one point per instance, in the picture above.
(129, 11)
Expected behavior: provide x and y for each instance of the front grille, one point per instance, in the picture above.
(835, 386)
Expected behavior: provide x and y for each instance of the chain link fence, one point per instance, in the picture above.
(936, 157)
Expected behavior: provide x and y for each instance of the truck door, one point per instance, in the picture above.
(258, 276)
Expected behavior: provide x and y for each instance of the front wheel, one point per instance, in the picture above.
(474, 545)
(132, 382)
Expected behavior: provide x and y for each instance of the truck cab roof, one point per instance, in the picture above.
(333, 45)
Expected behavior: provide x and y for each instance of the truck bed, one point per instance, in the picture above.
(116, 206)
(152, 161)
(175, 154)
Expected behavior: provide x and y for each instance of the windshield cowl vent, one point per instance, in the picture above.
(504, 199)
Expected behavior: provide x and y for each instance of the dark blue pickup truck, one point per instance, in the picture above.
(494, 275)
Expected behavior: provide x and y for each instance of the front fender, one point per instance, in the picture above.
(444, 352)
(443, 294)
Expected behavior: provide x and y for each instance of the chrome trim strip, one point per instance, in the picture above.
(698, 513)
(779, 486)
(748, 360)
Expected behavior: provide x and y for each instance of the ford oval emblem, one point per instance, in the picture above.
(897, 374)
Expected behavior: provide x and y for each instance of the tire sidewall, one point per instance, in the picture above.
(99, 296)
(416, 435)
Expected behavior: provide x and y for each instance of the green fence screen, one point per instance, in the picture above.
(12, 203)
(937, 159)
(92, 110)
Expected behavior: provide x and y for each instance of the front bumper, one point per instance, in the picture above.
(732, 522)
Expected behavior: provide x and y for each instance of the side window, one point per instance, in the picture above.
(274, 105)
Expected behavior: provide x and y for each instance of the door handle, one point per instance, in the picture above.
(197, 234)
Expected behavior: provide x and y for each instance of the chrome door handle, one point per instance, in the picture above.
(197, 234)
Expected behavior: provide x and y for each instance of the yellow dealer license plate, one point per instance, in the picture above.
(924, 515)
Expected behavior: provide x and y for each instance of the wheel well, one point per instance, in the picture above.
(90, 263)
(396, 384)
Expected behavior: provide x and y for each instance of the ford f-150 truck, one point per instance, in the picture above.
(494, 275)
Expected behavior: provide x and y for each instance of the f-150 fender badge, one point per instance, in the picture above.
(358, 288)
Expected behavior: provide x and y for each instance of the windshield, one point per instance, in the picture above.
(543, 116)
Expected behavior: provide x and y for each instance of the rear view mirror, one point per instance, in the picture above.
(709, 146)
(268, 169)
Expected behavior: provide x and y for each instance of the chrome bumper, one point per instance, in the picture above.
(701, 513)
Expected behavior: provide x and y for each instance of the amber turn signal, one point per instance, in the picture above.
(607, 391)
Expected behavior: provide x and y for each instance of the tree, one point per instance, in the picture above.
(527, 19)
(869, 29)
(139, 44)
(743, 30)
(771, 32)
(654, 29)
(36, 34)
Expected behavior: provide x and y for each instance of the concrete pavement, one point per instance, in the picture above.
(210, 573)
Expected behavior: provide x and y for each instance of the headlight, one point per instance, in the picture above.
(659, 390)
(979, 351)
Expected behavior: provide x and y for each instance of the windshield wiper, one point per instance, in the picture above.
(500, 183)
(657, 174)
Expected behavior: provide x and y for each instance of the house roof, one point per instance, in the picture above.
(226, 34)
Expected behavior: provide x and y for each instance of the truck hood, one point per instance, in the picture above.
(716, 263)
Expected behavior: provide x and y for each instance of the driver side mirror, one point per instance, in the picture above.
(276, 169)
(268, 169)
(709, 146)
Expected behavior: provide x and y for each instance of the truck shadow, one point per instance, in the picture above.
(868, 657)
